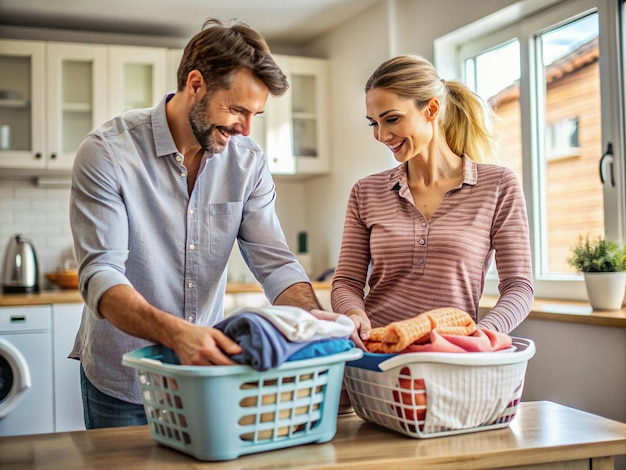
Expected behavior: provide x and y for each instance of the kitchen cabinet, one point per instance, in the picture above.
(307, 112)
(68, 402)
(137, 77)
(52, 94)
(50, 98)
(173, 61)
(293, 130)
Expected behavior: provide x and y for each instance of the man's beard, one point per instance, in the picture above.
(202, 131)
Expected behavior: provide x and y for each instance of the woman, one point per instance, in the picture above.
(423, 234)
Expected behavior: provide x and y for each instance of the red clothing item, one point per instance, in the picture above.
(480, 341)
(419, 264)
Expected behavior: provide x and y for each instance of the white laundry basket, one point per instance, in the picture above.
(438, 394)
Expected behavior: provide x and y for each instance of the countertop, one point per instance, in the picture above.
(541, 434)
(60, 296)
(545, 309)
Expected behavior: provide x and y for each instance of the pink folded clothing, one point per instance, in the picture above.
(481, 341)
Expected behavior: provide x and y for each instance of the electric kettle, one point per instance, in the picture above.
(21, 269)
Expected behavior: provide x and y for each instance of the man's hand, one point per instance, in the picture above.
(203, 346)
(125, 308)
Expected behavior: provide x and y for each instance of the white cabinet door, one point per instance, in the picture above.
(136, 77)
(68, 401)
(309, 114)
(22, 104)
(295, 125)
(173, 61)
(51, 96)
(76, 102)
(274, 126)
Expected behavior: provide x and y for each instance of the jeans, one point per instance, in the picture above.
(103, 411)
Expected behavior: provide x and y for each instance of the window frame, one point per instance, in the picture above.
(524, 21)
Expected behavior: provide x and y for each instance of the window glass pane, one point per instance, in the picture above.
(502, 91)
(571, 195)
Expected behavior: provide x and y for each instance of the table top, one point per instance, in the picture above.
(541, 432)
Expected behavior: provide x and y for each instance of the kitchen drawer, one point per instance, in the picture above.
(13, 319)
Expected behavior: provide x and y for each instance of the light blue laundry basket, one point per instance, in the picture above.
(223, 412)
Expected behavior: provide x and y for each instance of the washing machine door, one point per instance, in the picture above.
(14, 377)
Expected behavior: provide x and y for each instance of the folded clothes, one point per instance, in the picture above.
(298, 324)
(480, 341)
(262, 345)
(398, 336)
(325, 347)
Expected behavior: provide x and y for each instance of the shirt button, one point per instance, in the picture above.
(424, 224)
(191, 212)
(183, 174)
(422, 241)
(179, 158)
(421, 261)
(192, 247)
(190, 285)
(191, 318)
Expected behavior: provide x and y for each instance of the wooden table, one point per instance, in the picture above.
(542, 435)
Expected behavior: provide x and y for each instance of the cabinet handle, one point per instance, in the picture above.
(53, 156)
(38, 155)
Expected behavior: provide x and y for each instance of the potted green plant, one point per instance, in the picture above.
(603, 264)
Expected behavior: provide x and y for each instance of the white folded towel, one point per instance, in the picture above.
(299, 325)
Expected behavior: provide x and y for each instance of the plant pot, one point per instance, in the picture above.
(605, 290)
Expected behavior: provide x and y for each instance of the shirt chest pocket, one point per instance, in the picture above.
(224, 222)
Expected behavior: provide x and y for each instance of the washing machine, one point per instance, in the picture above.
(26, 371)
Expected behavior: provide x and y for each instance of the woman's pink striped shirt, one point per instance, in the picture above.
(419, 264)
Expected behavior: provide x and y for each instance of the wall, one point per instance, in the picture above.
(354, 50)
(318, 205)
(40, 214)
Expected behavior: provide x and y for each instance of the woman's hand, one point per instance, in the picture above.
(362, 326)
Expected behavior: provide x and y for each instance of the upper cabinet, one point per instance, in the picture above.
(137, 77)
(75, 104)
(293, 130)
(50, 97)
(52, 94)
(173, 61)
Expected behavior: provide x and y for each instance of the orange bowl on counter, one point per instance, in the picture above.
(64, 279)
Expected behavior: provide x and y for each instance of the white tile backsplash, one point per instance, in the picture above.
(41, 214)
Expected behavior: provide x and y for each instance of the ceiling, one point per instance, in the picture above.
(280, 21)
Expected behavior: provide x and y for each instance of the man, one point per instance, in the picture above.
(158, 198)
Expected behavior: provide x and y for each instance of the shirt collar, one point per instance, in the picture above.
(163, 141)
(398, 176)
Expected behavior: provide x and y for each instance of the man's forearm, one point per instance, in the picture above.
(128, 311)
(301, 295)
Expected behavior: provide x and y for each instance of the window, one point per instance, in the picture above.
(551, 76)
(562, 139)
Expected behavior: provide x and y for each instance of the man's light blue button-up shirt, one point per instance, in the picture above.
(134, 223)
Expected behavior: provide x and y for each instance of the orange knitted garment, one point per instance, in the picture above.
(397, 336)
